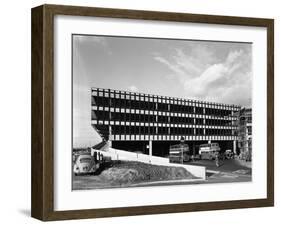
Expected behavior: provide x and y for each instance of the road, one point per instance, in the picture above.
(228, 172)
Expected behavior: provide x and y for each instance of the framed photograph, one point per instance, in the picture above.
(142, 112)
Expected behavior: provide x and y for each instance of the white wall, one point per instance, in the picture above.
(15, 111)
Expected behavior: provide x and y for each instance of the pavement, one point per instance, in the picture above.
(228, 165)
(230, 170)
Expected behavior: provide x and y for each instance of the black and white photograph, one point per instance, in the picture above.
(160, 112)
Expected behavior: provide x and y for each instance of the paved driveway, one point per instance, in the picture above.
(230, 170)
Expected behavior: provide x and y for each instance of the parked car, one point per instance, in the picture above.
(85, 164)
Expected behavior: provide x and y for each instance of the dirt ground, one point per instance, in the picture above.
(127, 173)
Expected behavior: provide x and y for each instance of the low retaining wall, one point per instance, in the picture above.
(115, 154)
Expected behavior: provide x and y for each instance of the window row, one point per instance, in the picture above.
(219, 132)
(142, 105)
(144, 130)
(117, 116)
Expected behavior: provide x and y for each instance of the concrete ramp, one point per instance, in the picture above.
(115, 154)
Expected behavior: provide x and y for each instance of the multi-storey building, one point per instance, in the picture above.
(244, 129)
(151, 123)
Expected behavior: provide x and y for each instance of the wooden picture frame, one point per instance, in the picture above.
(42, 203)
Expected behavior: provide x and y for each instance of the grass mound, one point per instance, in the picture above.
(124, 172)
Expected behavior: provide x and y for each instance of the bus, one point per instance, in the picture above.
(209, 151)
(179, 153)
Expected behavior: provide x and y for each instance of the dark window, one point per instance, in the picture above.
(106, 101)
(133, 130)
(152, 106)
(142, 131)
(142, 118)
(146, 130)
(152, 130)
(128, 103)
(102, 115)
(122, 129)
(142, 105)
(199, 121)
(199, 110)
(134, 104)
(127, 130)
(162, 107)
(118, 103)
(127, 117)
(133, 117)
(123, 117)
(152, 118)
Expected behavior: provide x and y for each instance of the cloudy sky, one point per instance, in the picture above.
(212, 71)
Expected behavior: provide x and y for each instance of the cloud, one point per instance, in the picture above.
(173, 67)
(227, 81)
(89, 41)
(200, 85)
(90, 38)
(133, 88)
(188, 62)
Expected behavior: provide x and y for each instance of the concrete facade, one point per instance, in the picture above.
(150, 123)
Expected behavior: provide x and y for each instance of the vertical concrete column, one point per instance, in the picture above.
(234, 147)
(150, 150)
(109, 143)
(110, 137)
(194, 121)
(193, 149)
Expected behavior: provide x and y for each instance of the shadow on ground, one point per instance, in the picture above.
(25, 212)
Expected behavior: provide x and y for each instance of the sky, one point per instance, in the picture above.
(204, 70)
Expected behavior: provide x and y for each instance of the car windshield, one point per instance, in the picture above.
(86, 159)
